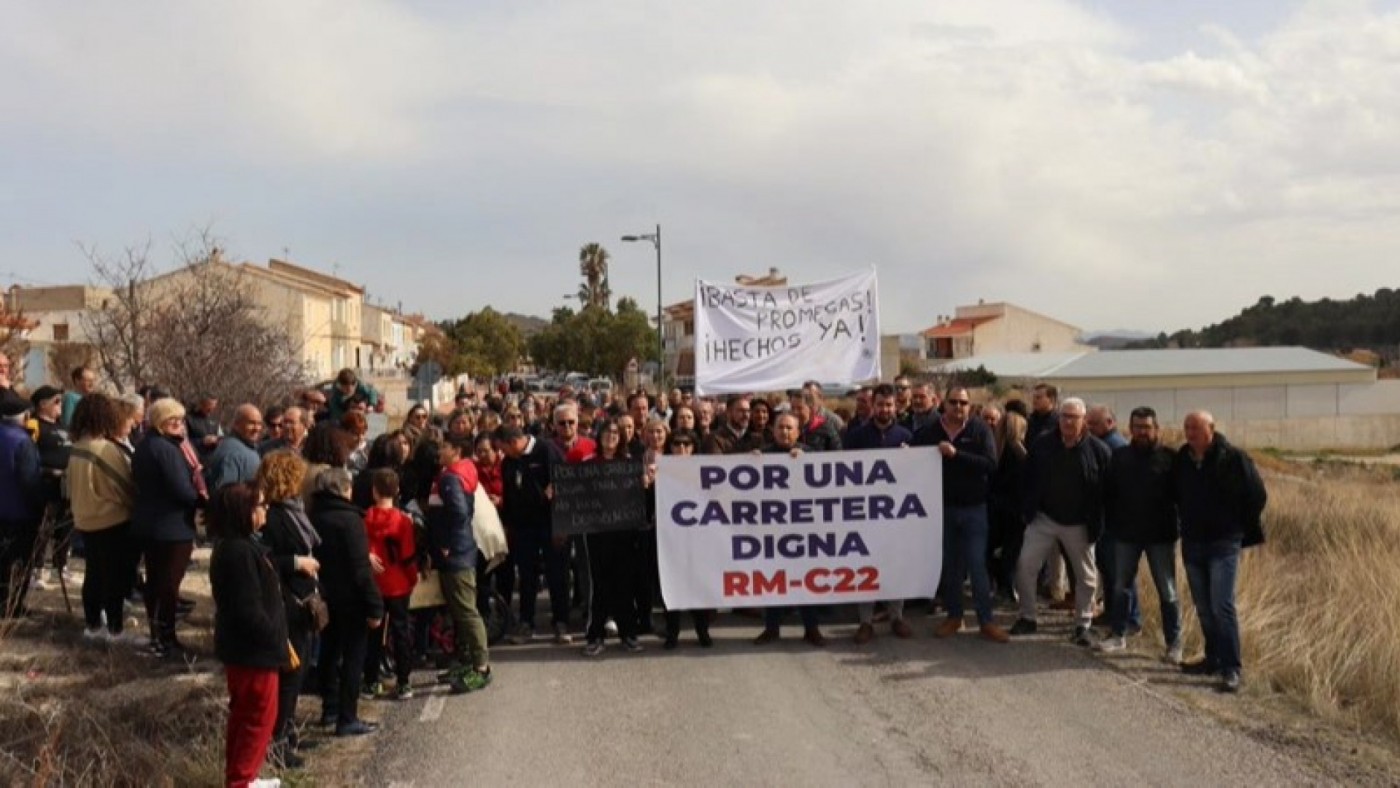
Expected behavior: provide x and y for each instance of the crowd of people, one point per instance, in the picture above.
(321, 535)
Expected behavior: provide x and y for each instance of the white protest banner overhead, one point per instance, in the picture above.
(822, 528)
(773, 338)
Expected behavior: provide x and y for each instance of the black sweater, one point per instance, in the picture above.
(284, 544)
(1091, 458)
(1139, 503)
(967, 474)
(1221, 497)
(250, 626)
(347, 582)
(166, 497)
(524, 480)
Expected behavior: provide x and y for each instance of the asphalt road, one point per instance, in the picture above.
(962, 711)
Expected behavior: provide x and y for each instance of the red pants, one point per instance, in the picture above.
(252, 711)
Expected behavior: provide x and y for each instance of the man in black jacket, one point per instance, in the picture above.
(1063, 508)
(969, 457)
(528, 514)
(1221, 499)
(54, 448)
(1140, 515)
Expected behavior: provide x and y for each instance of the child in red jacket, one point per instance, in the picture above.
(392, 555)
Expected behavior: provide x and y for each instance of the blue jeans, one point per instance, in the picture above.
(965, 531)
(1211, 568)
(1161, 560)
(1106, 556)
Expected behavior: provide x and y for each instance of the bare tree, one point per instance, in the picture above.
(119, 328)
(64, 357)
(197, 330)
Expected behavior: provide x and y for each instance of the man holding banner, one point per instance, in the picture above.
(881, 432)
(785, 434)
(969, 457)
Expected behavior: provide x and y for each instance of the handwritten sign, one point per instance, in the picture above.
(596, 497)
(774, 338)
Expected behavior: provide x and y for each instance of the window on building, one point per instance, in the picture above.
(60, 332)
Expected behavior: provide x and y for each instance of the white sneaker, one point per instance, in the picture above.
(39, 581)
(1112, 643)
(1173, 655)
(561, 635)
(97, 635)
(610, 628)
(267, 782)
(128, 639)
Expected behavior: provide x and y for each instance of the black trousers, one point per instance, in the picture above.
(289, 681)
(342, 663)
(398, 631)
(645, 580)
(166, 563)
(1010, 532)
(612, 559)
(536, 546)
(17, 558)
(111, 558)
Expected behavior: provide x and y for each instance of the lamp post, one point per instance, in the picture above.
(655, 239)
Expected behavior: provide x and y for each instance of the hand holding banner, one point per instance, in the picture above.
(837, 527)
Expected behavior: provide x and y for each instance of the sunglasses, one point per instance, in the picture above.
(958, 402)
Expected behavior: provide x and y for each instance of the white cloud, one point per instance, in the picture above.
(999, 150)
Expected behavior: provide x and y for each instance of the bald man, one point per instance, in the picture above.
(236, 457)
(1221, 499)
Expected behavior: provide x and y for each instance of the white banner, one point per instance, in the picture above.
(770, 529)
(774, 338)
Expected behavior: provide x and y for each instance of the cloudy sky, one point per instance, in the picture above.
(1127, 164)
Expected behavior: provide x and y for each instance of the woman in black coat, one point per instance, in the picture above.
(347, 584)
(289, 538)
(1004, 501)
(162, 520)
(250, 628)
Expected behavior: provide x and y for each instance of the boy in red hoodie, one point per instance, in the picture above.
(392, 555)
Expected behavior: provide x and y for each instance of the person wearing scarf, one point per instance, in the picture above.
(289, 538)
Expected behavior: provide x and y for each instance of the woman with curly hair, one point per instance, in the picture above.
(289, 538)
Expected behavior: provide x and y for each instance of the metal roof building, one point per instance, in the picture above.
(1284, 397)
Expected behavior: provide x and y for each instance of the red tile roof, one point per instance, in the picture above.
(955, 328)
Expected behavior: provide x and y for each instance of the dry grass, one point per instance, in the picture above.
(74, 714)
(1319, 604)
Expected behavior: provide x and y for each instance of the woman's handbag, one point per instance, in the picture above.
(316, 611)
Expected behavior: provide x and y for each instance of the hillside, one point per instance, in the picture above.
(527, 325)
(1366, 322)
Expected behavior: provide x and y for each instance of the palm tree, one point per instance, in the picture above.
(593, 265)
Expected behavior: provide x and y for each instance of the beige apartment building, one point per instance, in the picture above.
(981, 329)
(335, 326)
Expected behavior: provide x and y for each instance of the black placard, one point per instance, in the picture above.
(596, 497)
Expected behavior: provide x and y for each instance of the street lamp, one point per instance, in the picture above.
(655, 239)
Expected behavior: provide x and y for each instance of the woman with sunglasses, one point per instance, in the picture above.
(683, 444)
(612, 561)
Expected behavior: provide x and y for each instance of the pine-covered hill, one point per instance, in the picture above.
(1369, 322)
